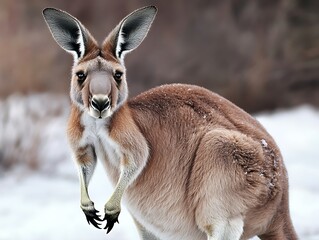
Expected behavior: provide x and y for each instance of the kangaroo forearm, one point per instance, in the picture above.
(129, 171)
(86, 161)
(84, 176)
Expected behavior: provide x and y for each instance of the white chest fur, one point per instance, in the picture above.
(96, 133)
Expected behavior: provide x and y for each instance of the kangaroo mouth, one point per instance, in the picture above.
(105, 113)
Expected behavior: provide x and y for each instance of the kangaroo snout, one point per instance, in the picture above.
(100, 102)
(99, 106)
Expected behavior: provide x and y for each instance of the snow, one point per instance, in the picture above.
(264, 143)
(297, 134)
(36, 207)
(44, 204)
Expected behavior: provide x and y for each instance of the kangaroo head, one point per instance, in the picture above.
(98, 84)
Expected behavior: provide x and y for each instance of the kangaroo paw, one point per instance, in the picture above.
(110, 219)
(91, 216)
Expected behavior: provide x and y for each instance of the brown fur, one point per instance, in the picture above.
(75, 129)
(215, 144)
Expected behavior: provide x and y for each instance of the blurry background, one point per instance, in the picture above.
(261, 54)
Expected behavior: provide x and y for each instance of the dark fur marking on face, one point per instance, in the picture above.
(99, 64)
(97, 52)
(90, 55)
(79, 98)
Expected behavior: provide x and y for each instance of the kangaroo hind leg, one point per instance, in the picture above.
(220, 206)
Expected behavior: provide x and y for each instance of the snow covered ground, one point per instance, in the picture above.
(44, 204)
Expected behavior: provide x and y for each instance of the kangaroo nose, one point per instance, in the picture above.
(100, 102)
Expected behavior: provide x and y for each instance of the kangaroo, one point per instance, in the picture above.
(187, 163)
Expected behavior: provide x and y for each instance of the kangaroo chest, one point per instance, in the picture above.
(96, 134)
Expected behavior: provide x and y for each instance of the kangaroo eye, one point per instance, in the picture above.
(118, 77)
(81, 77)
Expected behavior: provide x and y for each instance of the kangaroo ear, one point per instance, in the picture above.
(67, 31)
(131, 31)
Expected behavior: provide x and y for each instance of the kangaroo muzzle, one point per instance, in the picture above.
(100, 106)
(100, 103)
(100, 89)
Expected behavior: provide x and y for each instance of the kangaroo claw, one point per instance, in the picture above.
(111, 220)
(92, 217)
